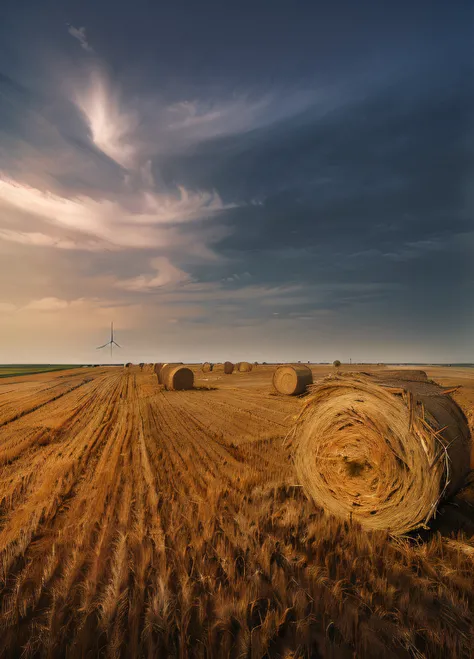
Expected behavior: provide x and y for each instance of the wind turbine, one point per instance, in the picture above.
(110, 343)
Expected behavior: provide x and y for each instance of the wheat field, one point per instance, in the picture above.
(137, 522)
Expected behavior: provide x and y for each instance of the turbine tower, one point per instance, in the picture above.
(110, 343)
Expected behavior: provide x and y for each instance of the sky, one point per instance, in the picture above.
(270, 181)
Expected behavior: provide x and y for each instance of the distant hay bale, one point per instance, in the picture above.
(206, 367)
(157, 368)
(228, 368)
(128, 365)
(218, 368)
(178, 378)
(381, 449)
(292, 380)
(245, 367)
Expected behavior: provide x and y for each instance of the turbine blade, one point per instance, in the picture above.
(115, 343)
(104, 346)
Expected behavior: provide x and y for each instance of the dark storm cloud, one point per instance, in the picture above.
(376, 174)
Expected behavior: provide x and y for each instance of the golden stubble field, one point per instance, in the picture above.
(136, 522)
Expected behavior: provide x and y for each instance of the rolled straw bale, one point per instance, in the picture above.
(178, 378)
(157, 368)
(228, 368)
(382, 449)
(245, 367)
(292, 380)
(206, 367)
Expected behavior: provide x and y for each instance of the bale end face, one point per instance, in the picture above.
(179, 378)
(228, 368)
(383, 453)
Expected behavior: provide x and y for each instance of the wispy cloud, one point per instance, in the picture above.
(79, 33)
(113, 128)
(143, 220)
(43, 240)
(130, 130)
(47, 304)
(166, 274)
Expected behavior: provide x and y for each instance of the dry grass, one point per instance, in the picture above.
(137, 522)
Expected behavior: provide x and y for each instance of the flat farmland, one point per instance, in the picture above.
(138, 522)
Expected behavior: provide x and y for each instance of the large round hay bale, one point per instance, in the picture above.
(157, 368)
(178, 378)
(206, 367)
(245, 367)
(381, 449)
(228, 368)
(292, 380)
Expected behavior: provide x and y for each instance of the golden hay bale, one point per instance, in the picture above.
(218, 368)
(178, 378)
(157, 368)
(382, 449)
(292, 380)
(206, 367)
(228, 368)
(245, 367)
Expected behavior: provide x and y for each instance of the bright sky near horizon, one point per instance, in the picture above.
(253, 180)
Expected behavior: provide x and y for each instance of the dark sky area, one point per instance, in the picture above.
(261, 180)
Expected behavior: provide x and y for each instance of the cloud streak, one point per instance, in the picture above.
(79, 33)
(142, 221)
(130, 131)
(166, 275)
(113, 128)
